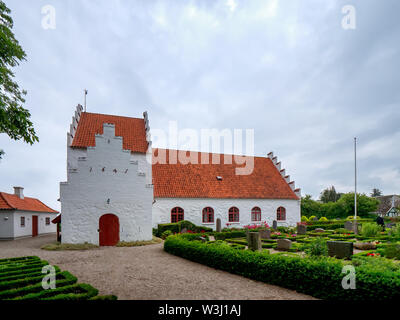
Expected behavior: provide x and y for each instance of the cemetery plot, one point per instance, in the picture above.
(316, 252)
(21, 279)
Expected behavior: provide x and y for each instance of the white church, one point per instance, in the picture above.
(114, 192)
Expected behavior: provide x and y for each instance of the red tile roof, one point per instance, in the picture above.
(131, 130)
(13, 202)
(200, 180)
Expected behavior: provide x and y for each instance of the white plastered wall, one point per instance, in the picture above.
(193, 210)
(6, 224)
(101, 173)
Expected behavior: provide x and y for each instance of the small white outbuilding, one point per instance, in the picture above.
(22, 216)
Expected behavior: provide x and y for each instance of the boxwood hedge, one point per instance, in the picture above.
(319, 277)
(21, 279)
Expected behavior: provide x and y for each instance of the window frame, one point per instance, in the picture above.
(256, 214)
(177, 214)
(22, 222)
(281, 211)
(208, 212)
(47, 221)
(233, 214)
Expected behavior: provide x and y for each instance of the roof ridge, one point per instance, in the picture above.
(110, 115)
(44, 204)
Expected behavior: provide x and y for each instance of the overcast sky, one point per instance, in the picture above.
(286, 69)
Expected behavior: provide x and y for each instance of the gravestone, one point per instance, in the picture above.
(218, 225)
(340, 249)
(254, 242)
(274, 225)
(301, 229)
(356, 226)
(283, 244)
(265, 234)
(348, 225)
(319, 230)
(184, 230)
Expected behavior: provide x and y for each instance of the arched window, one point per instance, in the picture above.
(233, 214)
(208, 215)
(281, 214)
(177, 214)
(256, 214)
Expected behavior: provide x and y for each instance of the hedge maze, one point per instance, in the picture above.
(21, 279)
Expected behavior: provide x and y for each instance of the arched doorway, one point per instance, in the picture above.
(108, 230)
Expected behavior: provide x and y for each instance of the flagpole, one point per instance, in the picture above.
(355, 185)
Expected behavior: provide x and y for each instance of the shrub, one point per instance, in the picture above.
(166, 234)
(304, 219)
(331, 226)
(370, 229)
(177, 227)
(321, 278)
(229, 235)
(311, 218)
(283, 229)
(323, 219)
(317, 248)
(394, 232)
(392, 251)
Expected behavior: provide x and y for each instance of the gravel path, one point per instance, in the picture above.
(147, 272)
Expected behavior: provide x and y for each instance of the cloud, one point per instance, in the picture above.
(286, 69)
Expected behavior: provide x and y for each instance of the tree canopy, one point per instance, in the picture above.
(14, 119)
(330, 195)
(376, 192)
(342, 208)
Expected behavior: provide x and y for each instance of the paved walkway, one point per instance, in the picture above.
(147, 272)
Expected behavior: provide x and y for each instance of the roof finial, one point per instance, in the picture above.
(85, 92)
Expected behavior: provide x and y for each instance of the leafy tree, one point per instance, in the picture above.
(309, 207)
(342, 208)
(14, 119)
(330, 195)
(376, 192)
(365, 204)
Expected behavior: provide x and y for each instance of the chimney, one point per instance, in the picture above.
(19, 191)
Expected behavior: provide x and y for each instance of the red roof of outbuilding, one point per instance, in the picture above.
(200, 180)
(13, 202)
(132, 131)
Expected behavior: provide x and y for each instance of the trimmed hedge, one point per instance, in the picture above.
(177, 227)
(25, 274)
(21, 279)
(331, 226)
(319, 277)
(72, 292)
(62, 279)
(229, 235)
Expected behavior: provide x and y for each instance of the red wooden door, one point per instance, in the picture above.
(34, 226)
(108, 230)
